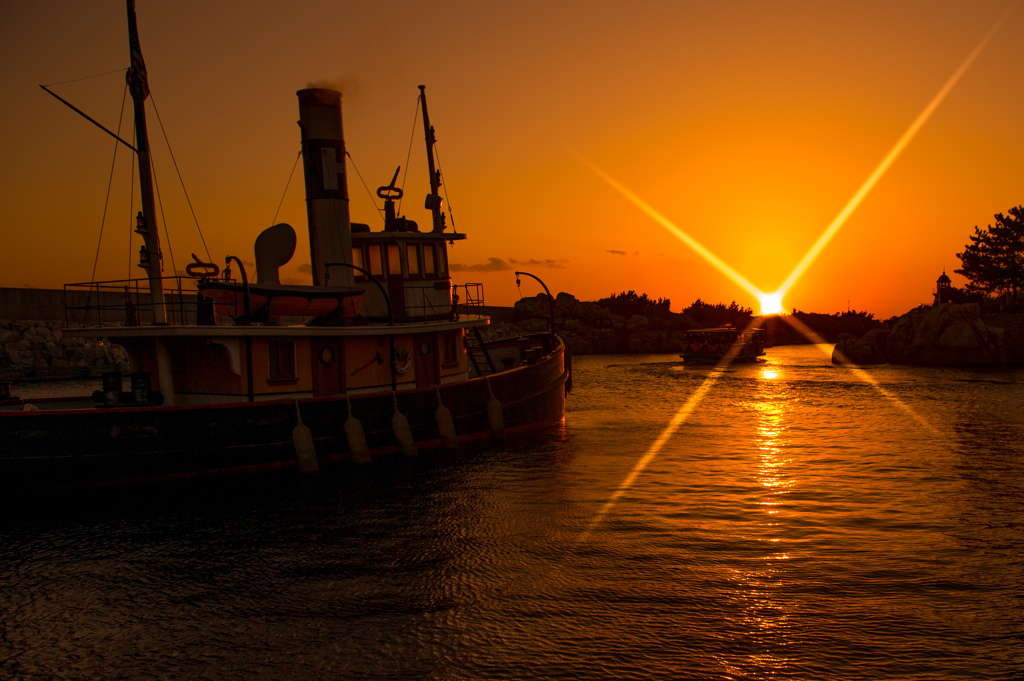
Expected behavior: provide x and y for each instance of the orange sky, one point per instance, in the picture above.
(747, 124)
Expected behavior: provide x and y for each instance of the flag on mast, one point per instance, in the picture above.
(137, 78)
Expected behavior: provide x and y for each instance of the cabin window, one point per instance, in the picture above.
(449, 343)
(412, 254)
(376, 265)
(281, 355)
(357, 260)
(429, 267)
(394, 260)
(442, 262)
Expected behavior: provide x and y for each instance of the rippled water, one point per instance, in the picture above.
(798, 522)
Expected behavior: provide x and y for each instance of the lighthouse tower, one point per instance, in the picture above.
(943, 289)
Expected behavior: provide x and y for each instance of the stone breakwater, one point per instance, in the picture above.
(949, 334)
(41, 349)
(588, 328)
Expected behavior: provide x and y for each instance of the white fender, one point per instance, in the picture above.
(495, 417)
(445, 424)
(302, 439)
(403, 433)
(356, 437)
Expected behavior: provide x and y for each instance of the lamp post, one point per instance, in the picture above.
(551, 301)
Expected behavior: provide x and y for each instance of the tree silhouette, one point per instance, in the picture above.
(707, 314)
(993, 263)
(628, 303)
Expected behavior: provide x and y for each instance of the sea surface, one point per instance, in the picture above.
(784, 520)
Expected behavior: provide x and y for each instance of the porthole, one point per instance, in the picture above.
(326, 355)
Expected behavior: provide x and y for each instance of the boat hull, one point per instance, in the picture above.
(93, 447)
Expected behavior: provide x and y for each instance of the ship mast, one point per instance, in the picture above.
(433, 202)
(150, 258)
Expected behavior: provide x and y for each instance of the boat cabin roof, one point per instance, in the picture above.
(725, 329)
(725, 333)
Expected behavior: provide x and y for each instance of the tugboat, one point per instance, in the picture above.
(231, 376)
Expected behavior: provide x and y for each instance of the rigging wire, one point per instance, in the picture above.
(368, 192)
(412, 136)
(444, 186)
(286, 185)
(163, 218)
(131, 204)
(75, 80)
(182, 181)
(110, 182)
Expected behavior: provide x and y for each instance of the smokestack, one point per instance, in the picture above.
(323, 162)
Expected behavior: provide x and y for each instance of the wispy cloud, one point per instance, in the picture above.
(305, 269)
(616, 252)
(557, 264)
(492, 265)
(499, 265)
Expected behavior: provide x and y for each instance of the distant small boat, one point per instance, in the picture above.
(710, 346)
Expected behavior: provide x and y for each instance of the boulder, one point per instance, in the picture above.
(528, 308)
(637, 323)
(119, 355)
(566, 304)
(870, 349)
(589, 313)
(535, 324)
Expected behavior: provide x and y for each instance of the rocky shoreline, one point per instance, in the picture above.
(948, 334)
(944, 335)
(39, 350)
(589, 329)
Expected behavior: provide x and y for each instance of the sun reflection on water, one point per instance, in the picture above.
(766, 613)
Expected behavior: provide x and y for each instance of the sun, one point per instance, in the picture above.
(771, 303)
